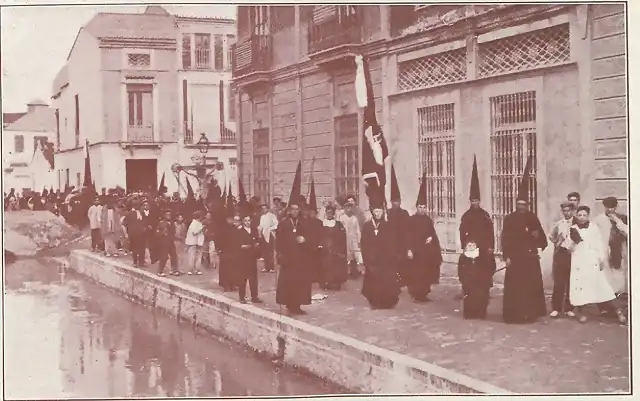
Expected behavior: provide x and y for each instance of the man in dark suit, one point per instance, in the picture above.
(246, 247)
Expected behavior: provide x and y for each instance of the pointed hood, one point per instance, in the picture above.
(422, 193)
(395, 189)
(243, 204)
(474, 190)
(523, 188)
(88, 181)
(313, 205)
(376, 198)
(230, 203)
(162, 189)
(296, 188)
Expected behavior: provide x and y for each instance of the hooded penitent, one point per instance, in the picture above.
(395, 189)
(296, 188)
(523, 188)
(243, 205)
(376, 199)
(422, 193)
(474, 190)
(312, 197)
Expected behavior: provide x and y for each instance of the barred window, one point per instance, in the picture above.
(186, 51)
(539, 48)
(437, 69)
(218, 53)
(203, 50)
(513, 140)
(261, 177)
(436, 155)
(346, 155)
(139, 60)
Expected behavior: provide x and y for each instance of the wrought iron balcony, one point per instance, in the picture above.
(334, 31)
(227, 136)
(252, 55)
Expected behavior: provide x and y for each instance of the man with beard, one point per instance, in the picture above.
(424, 252)
(380, 286)
(399, 221)
(294, 281)
(476, 225)
(522, 236)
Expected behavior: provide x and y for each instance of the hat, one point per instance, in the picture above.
(422, 192)
(474, 190)
(523, 188)
(376, 199)
(610, 202)
(395, 189)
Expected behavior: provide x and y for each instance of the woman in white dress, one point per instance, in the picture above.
(589, 284)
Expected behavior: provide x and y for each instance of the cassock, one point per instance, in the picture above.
(398, 219)
(380, 285)
(314, 240)
(227, 275)
(476, 226)
(523, 299)
(475, 272)
(294, 278)
(424, 267)
(335, 269)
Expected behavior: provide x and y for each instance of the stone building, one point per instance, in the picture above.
(122, 90)
(451, 81)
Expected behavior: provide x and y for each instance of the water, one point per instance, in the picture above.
(67, 337)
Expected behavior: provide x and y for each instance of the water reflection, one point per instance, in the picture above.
(99, 345)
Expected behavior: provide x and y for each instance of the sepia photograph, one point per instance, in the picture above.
(247, 200)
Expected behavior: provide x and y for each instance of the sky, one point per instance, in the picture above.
(37, 39)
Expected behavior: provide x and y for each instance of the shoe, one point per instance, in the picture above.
(256, 301)
(162, 275)
(198, 272)
(582, 319)
(554, 313)
(621, 318)
(570, 314)
(243, 301)
(189, 273)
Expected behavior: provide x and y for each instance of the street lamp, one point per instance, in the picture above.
(203, 144)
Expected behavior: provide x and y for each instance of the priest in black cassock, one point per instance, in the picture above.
(293, 247)
(476, 224)
(333, 247)
(398, 219)
(380, 285)
(522, 236)
(424, 254)
(315, 236)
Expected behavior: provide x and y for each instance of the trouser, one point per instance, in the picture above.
(137, 247)
(353, 268)
(561, 271)
(252, 277)
(96, 239)
(194, 257)
(151, 245)
(267, 254)
(167, 250)
(211, 255)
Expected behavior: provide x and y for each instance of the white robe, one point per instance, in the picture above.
(618, 278)
(589, 284)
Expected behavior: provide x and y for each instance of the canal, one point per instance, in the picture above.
(68, 337)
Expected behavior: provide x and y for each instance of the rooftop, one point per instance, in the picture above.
(149, 25)
(41, 119)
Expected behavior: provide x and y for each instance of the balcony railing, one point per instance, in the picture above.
(227, 136)
(140, 134)
(252, 55)
(203, 58)
(334, 31)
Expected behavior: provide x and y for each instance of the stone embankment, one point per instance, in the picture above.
(29, 233)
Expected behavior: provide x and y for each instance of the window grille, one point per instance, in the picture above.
(202, 51)
(139, 60)
(543, 47)
(218, 52)
(437, 69)
(436, 155)
(346, 155)
(261, 177)
(186, 51)
(513, 140)
(231, 40)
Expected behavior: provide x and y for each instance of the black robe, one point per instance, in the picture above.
(335, 269)
(424, 268)
(295, 275)
(246, 259)
(314, 241)
(380, 285)
(227, 271)
(399, 221)
(476, 225)
(476, 277)
(523, 299)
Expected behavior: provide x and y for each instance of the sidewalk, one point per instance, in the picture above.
(552, 356)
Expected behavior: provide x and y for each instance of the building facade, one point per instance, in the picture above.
(121, 90)
(501, 82)
(21, 141)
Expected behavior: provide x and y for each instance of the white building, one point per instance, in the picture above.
(20, 140)
(122, 90)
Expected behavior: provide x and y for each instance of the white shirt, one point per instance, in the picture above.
(268, 225)
(195, 234)
(95, 216)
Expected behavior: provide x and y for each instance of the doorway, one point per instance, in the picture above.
(142, 174)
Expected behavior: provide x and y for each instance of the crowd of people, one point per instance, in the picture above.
(390, 248)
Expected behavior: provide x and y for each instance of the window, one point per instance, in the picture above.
(218, 53)
(261, 181)
(231, 40)
(231, 113)
(259, 19)
(68, 178)
(77, 101)
(38, 139)
(203, 50)
(233, 163)
(513, 140)
(58, 131)
(346, 155)
(437, 69)
(78, 181)
(436, 158)
(139, 60)
(282, 17)
(18, 143)
(59, 178)
(140, 105)
(186, 51)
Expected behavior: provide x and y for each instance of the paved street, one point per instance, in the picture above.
(552, 356)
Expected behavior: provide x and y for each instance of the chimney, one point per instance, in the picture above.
(36, 104)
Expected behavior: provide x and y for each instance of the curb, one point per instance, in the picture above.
(350, 363)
